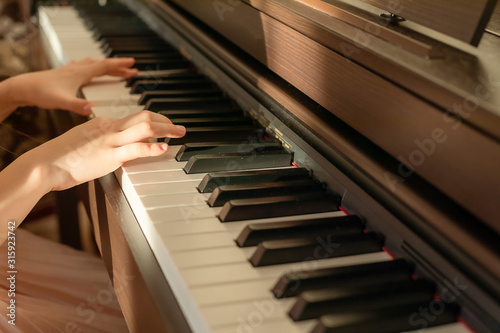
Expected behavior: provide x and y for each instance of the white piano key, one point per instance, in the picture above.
(214, 225)
(163, 177)
(208, 225)
(184, 214)
(201, 241)
(233, 292)
(449, 328)
(244, 271)
(174, 200)
(222, 315)
(256, 322)
(167, 188)
(211, 257)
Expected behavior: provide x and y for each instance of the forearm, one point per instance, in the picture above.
(22, 184)
(7, 100)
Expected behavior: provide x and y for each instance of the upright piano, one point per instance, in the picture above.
(340, 171)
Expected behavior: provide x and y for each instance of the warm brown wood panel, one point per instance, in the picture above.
(145, 297)
(139, 310)
(461, 19)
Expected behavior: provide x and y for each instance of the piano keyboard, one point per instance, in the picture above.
(270, 251)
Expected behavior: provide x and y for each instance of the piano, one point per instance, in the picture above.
(339, 171)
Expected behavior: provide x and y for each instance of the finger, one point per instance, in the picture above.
(140, 117)
(136, 150)
(110, 66)
(146, 130)
(124, 72)
(77, 105)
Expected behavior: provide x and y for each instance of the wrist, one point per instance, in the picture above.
(37, 171)
(24, 182)
(7, 100)
(15, 91)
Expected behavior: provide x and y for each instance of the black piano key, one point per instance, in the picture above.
(386, 319)
(231, 133)
(113, 15)
(183, 114)
(104, 22)
(154, 65)
(147, 95)
(249, 209)
(145, 58)
(163, 75)
(189, 103)
(214, 122)
(188, 81)
(151, 55)
(223, 194)
(191, 149)
(143, 40)
(293, 283)
(116, 50)
(126, 27)
(315, 303)
(151, 42)
(253, 234)
(213, 180)
(278, 252)
(103, 33)
(129, 44)
(205, 163)
(114, 11)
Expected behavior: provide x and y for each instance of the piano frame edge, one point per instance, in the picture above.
(145, 296)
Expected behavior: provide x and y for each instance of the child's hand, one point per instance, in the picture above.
(100, 146)
(57, 88)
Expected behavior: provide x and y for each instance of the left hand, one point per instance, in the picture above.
(57, 88)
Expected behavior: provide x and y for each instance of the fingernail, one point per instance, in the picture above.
(164, 147)
(181, 130)
(86, 109)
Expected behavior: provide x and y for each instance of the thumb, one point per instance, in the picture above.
(80, 106)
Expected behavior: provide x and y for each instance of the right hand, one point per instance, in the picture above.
(100, 146)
